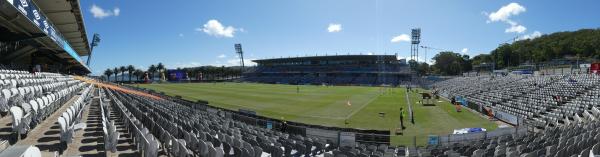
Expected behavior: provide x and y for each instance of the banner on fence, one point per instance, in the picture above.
(347, 139)
(509, 118)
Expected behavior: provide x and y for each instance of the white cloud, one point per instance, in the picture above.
(236, 62)
(185, 65)
(215, 28)
(222, 56)
(370, 53)
(116, 11)
(504, 13)
(180, 34)
(100, 13)
(464, 50)
(401, 38)
(533, 35)
(334, 27)
(401, 57)
(515, 29)
(141, 67)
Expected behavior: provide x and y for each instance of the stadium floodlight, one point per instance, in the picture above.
(238, 50)
(95, 41)
(415, 41)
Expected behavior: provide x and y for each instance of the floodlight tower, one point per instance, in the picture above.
(238, 50)
(95, 41)
(415, 41)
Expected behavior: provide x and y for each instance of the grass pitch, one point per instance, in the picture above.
(332, 105)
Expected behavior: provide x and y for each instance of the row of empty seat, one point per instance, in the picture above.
(541, 100)
(562, 107)
(70, 120)
(28, 100)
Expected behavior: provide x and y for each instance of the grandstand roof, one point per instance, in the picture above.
(68, 19)
(335, 57)
(52, 27)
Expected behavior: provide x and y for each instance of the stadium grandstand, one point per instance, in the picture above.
(335, 70)
(43, 36)
(40, 43)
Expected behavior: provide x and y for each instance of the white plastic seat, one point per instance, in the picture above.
(17, 113)
(34, 106)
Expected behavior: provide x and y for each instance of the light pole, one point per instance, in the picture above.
(95, 41)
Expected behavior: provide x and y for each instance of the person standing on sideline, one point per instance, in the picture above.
(402, 118)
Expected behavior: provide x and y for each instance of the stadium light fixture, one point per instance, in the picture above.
(95, 41)
(238, 50)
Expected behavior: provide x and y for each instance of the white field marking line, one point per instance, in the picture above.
(363, 106)
(409, 105)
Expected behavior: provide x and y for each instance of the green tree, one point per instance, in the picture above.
(422, 69)
(107, 73)
(116, 72)
(151, 70)
(450, 63)
(130, 69)
(122, 69)
(582, 44)
(138, 73)
(160, 67)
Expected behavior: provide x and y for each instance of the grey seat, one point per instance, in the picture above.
(585, 152)
(212, 152)
(512, 154)
(277, 152)
(202, 148)
(219, 152)
(257, 151)
(478, 153)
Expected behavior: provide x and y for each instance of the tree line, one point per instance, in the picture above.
(582, 44)
(154, 71)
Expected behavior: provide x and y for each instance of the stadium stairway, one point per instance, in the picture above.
(91, 140)
(88, 141)
(125, 144)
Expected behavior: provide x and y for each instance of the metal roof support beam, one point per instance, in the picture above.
(13, 38)
(57, 11)
(25, 50)
(27, 53)
(68, 23)
(71, 32)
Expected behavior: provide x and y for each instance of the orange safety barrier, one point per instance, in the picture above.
(117, 88)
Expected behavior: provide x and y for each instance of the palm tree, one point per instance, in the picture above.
(138, 73)
(107, 73)
(130, 70)
(160, 67)
(122, 69)
(152, 69)
(116, 72)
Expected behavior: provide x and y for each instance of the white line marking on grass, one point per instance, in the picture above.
(409, 106)
(363, 106)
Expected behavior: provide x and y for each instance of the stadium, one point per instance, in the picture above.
(534, 95)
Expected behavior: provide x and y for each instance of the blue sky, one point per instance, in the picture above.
(187, 33)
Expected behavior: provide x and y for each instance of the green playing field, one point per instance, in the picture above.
(332, 105)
